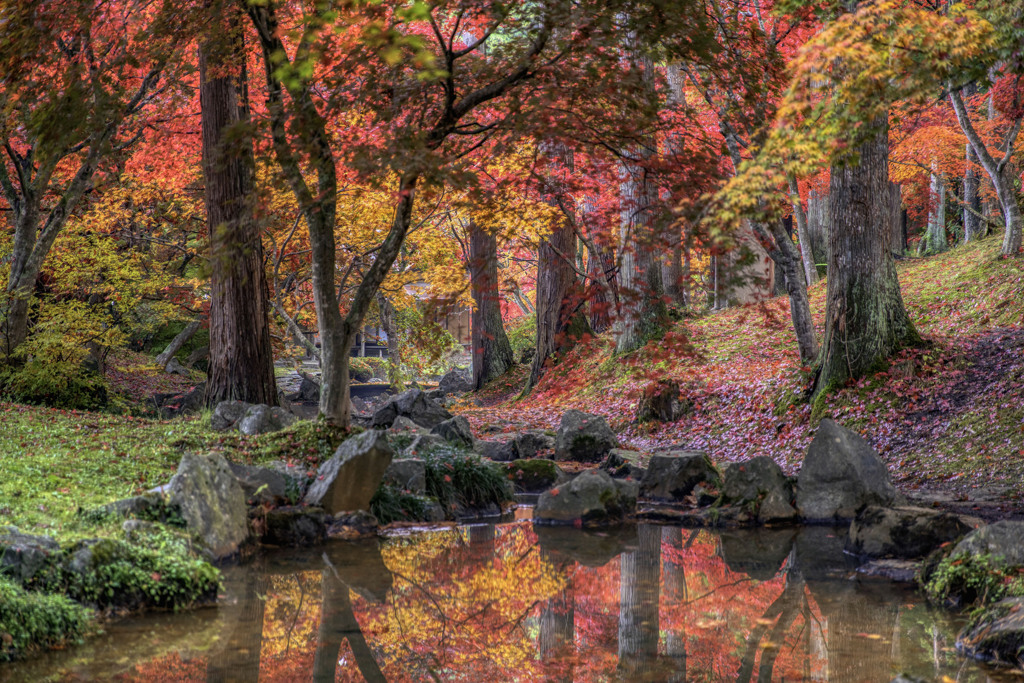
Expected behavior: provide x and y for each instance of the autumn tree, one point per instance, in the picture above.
(492, 353)
(77, 79)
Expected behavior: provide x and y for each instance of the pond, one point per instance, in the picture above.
(510, 601)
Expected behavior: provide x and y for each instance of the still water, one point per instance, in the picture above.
(511, 602)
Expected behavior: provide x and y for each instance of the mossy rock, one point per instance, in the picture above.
(534, 476)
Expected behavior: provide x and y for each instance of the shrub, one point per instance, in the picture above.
(522, 334)
(458, 479)
(966, 579)
(59, 385)
(391, 504)
(31, 621)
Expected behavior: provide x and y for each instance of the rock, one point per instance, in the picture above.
(526, 355)
(260, 484)
(456, 381)
(295, 526)
(413, 404)
(592, 498)
(750, 480)
(900, 571)
(403, 424)
(756, 553)
(309, 391)
(262, 419)
(173, 405)
(348, 480)
(534, 443)
(590, 548)
(673, 475)
(996, 635)
(903, 533)
(505, 450)
(776, 508)
(211, 503)
(22, 556)
(621, 463)
(583, 437)
(359, 406)
(534, 476)
(1001, 539)
(423, 444)
(352, 525)
(150, 505)
(840, 476)
(455, 431)
(174, 367)
(226, 414)
(659, 402)
(409, 474)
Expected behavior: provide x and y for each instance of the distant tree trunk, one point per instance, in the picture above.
(802, 233)
(818, 229)
(935, 238)
(865, 320)
(642, 311)
(492, 353)
(179, 340)
(639, 597)
(894, 199)
(998, 172)
(389, 324)
(675, 594)
(972, 199)
(241, 359)
(600, 267)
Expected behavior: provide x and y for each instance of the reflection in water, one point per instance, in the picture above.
(510, 602)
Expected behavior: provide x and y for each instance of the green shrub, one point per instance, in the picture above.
(31, 621)
(965, 579)
(522, 334)
(58, 385)
(458, 479)
(391, 504)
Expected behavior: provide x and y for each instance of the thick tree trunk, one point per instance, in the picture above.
(179, 340)
(338, 623)
(600, 266)
(241, 359)
(642, 311)
(894, 199)
(865, 321)
(492, 353)
(785, 256)
(639, 597)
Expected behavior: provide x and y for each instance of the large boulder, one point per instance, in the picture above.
(211, 503)
(295, 526)
(592, 498)
(903, 533)
(226, 415)
(262, 484)
(455, 431)
(841, 475)
(673, 475)
(750, 480)
(262, 419)
(534, 443)
(621, 463)
(22, 556)
(583, 437)
(659, 402)
(1003, 540)
(413, 404)
(408, 474)
(534, 476)
(504, 449)
(456, 381)
(348, 480)
(183, 403)
(309, 391)
(996, 635)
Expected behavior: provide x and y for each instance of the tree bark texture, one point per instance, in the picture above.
(338, 623)
(389, 323)
(818, 230)
(802, 232)
(241, 359)
(786, 257)
(935, 238)
(642, 311)
(894, 199)
(179, 340)
(492, 353)
(865, 320)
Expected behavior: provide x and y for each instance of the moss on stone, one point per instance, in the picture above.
(32, 621)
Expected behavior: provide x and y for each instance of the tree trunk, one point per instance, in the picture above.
(675, 594)
(785, 256)
(241, 359)
(818, 230)
(240, 658)
(894, 199)
(179, 340)
(972, 199)
(492, 353)
(642, 311)
(390, 326)
(935, 239)
(802, 232)
(998, 172)
(338, 623)
(865, 321)
(639, 596)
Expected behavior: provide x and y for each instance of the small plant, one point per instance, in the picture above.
(968, 580)
(392, 504)
(458, 479)
(31, 621)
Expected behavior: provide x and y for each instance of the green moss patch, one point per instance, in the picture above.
(533, 476)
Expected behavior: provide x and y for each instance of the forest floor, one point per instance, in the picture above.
(948, 417)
